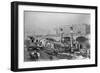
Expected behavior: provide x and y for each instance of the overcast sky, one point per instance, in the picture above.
(47, 22)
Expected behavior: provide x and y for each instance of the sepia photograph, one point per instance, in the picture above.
(56, 36)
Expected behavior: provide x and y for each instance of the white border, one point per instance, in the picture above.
(22, 64)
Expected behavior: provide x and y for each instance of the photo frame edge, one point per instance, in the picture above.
(14, 37)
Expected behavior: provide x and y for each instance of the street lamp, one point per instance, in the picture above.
(71, 33)
(61, 32)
